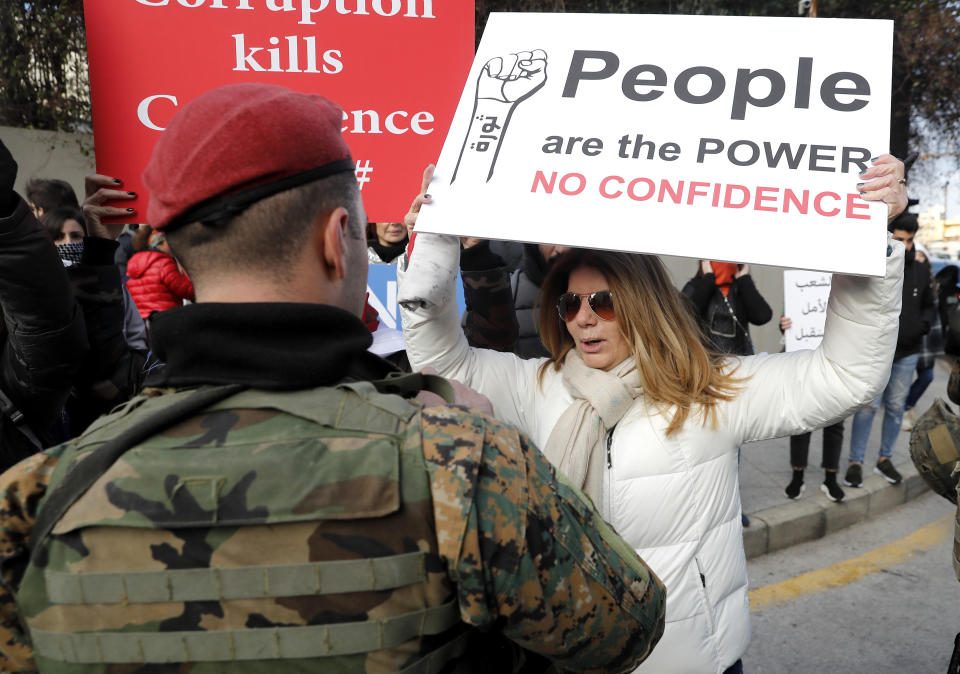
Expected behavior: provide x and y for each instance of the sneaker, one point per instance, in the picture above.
(832, 491)
(796, 487)
(854, 476)
(909, 420)
(889, 473)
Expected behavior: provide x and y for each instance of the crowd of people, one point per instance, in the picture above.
(206, 464)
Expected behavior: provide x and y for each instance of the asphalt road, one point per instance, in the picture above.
(879, 597)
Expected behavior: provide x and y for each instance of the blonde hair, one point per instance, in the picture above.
(677, 371)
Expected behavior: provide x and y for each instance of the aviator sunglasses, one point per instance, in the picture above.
(600, 302)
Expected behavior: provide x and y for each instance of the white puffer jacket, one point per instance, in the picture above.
(675, 499)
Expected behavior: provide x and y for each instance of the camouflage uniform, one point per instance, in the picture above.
(257, 531)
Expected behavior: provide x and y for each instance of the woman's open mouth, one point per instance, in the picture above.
(591, 345)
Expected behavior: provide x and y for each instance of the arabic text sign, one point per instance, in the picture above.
(150, 57)
(654, 140)
(805, 296)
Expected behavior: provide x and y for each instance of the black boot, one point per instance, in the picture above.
(830, 488)
(795, 488)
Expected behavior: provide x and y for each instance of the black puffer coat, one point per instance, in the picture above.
(725, 320)
(43, 340)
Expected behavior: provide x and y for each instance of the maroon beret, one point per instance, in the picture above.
(237, 144)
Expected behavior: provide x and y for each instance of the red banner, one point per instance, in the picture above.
(396, 67)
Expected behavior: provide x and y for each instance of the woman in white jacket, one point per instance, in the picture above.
(634, 409)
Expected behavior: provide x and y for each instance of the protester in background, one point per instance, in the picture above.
(800, 450)
(727, 302)
(931, 348)
(948, 303)
(65, 227)
(916, 317)
(45, 194)
(386, 241)
(490, 289)
(635, 410)
(42, 337)
(157, 282)
(112, 373)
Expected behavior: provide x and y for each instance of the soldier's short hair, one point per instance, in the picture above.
(266, 237)
(50, 193)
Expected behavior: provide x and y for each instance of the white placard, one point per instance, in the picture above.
(724, 138)
(805, 295)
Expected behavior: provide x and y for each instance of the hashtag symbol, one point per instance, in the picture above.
(363, 172)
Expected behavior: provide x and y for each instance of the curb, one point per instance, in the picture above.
(814, 517)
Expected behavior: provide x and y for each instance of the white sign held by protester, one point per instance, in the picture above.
(725, 138)
(805, 296)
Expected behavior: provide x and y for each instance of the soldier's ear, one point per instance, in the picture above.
(332, 230)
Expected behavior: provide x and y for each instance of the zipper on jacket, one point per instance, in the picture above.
(609, 447)
(707, 606)
(703, 578)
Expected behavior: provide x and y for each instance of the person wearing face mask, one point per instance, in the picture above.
(637, 411)
(726, 303)
(916, 317)
(65, 227)
(117, 335)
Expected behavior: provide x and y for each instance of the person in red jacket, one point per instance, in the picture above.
(157, 282)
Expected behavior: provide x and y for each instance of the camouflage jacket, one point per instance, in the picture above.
(506, 541)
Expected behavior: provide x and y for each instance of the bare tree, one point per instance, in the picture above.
(43, 65)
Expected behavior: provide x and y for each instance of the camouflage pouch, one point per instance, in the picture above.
(934, 449)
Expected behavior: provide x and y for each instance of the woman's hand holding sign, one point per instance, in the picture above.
(884, 181)
(99, 190)
(410, 219)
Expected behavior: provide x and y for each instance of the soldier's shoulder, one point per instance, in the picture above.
(476, 467)
(456, 432)
(23, 485)
(34, 470)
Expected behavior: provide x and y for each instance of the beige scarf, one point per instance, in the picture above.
(577, 444)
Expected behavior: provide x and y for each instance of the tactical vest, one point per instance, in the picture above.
(280, 531)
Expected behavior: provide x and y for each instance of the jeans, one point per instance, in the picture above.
(893, 398)
(924, 377)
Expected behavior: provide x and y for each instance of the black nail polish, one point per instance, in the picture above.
(861, 194)
(875, 159)
(130, 210)
(117, 180)
(858, 185)
(132, 194)
(863, 171)
(426, 196)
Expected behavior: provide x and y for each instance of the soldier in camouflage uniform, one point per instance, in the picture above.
(263, 506)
